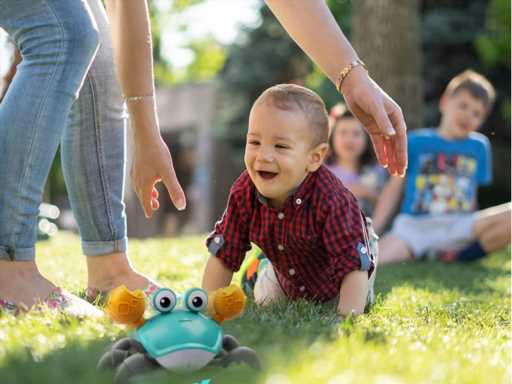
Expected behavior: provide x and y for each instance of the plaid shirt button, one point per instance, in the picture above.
(280, 247)
(298, 201)
(302, 288)
(291, 271)
(280, 215)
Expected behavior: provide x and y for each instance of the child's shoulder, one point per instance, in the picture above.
(480, 138)
(330, 191)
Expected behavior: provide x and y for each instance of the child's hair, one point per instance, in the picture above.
(291, 96)
(476, 84)
(337, 113)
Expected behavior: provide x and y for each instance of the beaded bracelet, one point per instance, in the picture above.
(136, 98)
(345, 71)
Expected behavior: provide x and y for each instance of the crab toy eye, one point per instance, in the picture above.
(164, 300)
(196, 299)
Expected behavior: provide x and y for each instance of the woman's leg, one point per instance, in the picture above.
(57, 40)
(93, 161)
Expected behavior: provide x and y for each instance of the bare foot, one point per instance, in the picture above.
(110, 271)
(22, 283)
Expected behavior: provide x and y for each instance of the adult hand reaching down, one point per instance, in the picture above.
(382, 118)
(152, 163)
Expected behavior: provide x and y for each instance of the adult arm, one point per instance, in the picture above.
(133, 57)
(387, 203)
(312, 26)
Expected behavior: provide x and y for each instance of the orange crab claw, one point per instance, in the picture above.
(126, 307)
(226, 303)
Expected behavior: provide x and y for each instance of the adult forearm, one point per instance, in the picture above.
(311, 24)
(216, 274)
(133, 57)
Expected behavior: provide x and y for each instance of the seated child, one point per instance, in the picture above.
(301, 216)
(350, 158)
(446, 165)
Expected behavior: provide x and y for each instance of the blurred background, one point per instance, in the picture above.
(214, 57)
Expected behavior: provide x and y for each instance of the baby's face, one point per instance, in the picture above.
(462, 114)
(277, 151)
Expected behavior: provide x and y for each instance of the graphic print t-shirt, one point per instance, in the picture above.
(443, 175)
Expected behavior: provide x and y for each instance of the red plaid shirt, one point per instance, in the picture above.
(313, 242)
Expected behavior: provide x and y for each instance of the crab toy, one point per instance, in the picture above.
(177, 339)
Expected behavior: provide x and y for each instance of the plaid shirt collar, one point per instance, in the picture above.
(301, 193)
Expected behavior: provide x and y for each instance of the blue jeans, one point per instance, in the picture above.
(64, 92)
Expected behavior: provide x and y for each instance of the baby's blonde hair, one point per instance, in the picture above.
(292, 97)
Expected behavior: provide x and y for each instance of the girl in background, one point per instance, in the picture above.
(351, 159)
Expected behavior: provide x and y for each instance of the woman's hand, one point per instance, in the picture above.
(152, 163)
(382, 118)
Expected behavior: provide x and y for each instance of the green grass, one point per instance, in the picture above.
(432, 323)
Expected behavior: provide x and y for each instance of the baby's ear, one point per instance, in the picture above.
(317, 156)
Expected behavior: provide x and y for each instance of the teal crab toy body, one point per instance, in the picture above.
(177, 339)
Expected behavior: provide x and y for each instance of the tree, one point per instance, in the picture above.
(386, 35)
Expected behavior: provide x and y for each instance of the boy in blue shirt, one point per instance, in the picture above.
(446, 166)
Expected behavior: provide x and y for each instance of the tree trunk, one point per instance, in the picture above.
(386, 35)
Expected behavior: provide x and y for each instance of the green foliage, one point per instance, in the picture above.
(494, 43)
(209, 55)
(209, 58)
(432, 323)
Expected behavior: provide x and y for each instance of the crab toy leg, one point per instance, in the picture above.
(134, 365)
(232, 352)
(119, 352)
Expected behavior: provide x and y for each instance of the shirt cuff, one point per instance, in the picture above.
(217, 247)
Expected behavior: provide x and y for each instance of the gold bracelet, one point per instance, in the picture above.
(345, 71)
(136, 98)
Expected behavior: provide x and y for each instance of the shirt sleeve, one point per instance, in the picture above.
(229, 240)
(484, 163)
(345, 238)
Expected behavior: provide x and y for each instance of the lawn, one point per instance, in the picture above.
(432, 323)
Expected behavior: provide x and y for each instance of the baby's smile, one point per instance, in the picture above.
(267, 175)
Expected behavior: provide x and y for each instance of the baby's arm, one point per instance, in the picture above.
(353, 293)
(216, 274)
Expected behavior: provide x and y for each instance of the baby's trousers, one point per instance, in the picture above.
(65, 93)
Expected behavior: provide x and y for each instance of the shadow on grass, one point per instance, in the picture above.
(278, 334)
(468, 278)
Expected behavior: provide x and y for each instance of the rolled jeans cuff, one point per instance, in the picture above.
(101, 248)
(20, 254)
